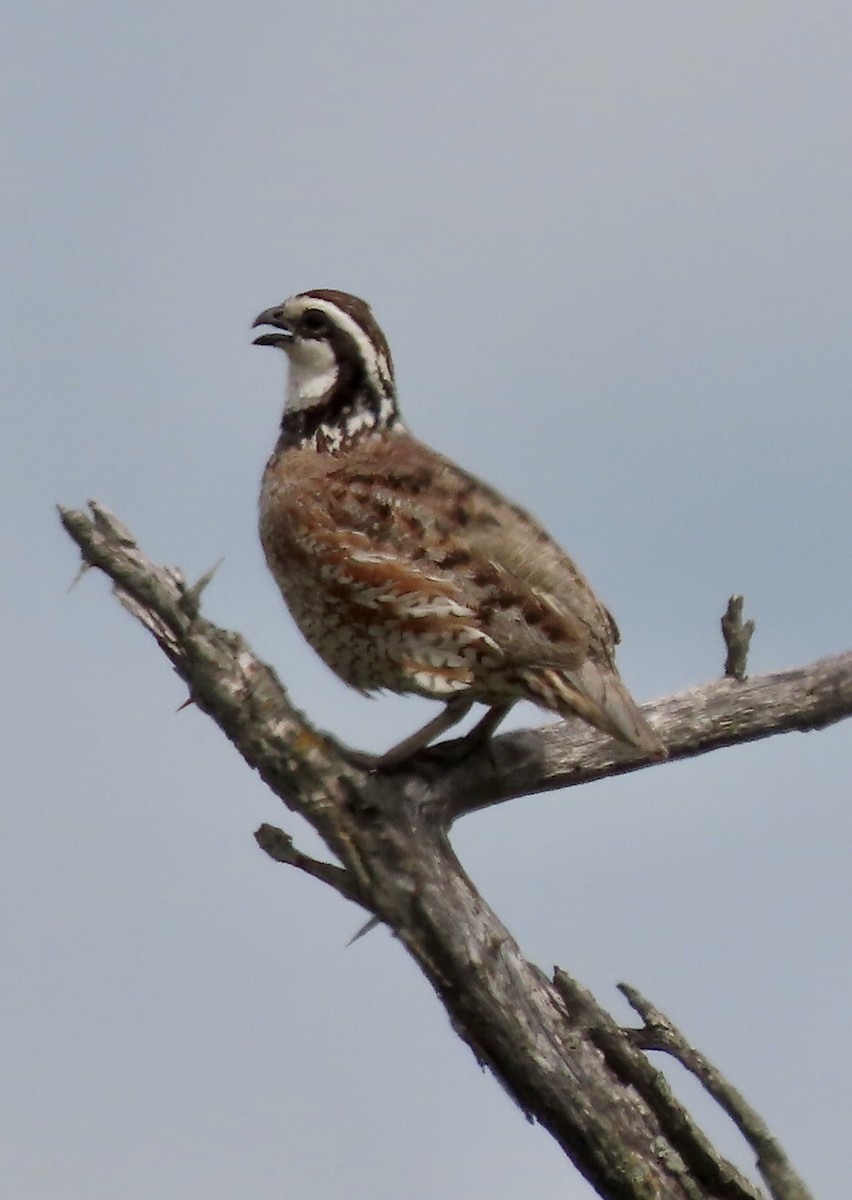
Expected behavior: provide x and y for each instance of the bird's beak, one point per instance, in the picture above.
(276, 318)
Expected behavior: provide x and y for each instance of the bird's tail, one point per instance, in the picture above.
(597, 695)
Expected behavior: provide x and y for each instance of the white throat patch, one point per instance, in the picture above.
(312, 373)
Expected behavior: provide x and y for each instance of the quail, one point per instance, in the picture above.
(406, 573)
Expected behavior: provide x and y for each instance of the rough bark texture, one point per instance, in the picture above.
(563, 1058)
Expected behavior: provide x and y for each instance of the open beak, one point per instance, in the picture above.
(276, 318)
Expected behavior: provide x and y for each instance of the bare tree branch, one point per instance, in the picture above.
(279, 846)
(722, 713)
(658, 1033)
(562, 1058)
(625, 1058)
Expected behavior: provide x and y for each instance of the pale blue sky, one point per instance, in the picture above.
(610, 244)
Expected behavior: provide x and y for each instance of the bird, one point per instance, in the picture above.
(404, 572)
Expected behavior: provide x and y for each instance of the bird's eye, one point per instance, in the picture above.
(314, 323)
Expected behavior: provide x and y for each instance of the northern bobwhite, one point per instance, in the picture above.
(406, 573)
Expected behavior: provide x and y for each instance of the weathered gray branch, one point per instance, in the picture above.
(659, 1033)
(699, 1157)
(556, 1051)
(725, 712)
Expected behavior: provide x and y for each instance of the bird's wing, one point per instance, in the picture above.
(471, 576)
(435, 522)
(526, 551)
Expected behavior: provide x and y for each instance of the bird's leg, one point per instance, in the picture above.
(483, 730)
(453, 712)
(476, 739)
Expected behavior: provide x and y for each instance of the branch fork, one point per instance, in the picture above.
(556, 1051)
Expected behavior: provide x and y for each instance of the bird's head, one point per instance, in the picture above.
(336, 350)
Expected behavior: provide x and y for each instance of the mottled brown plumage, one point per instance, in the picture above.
(403, 571)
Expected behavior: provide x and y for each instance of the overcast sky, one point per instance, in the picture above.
(610, 244)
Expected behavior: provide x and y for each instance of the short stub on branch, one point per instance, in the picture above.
(737, 634)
